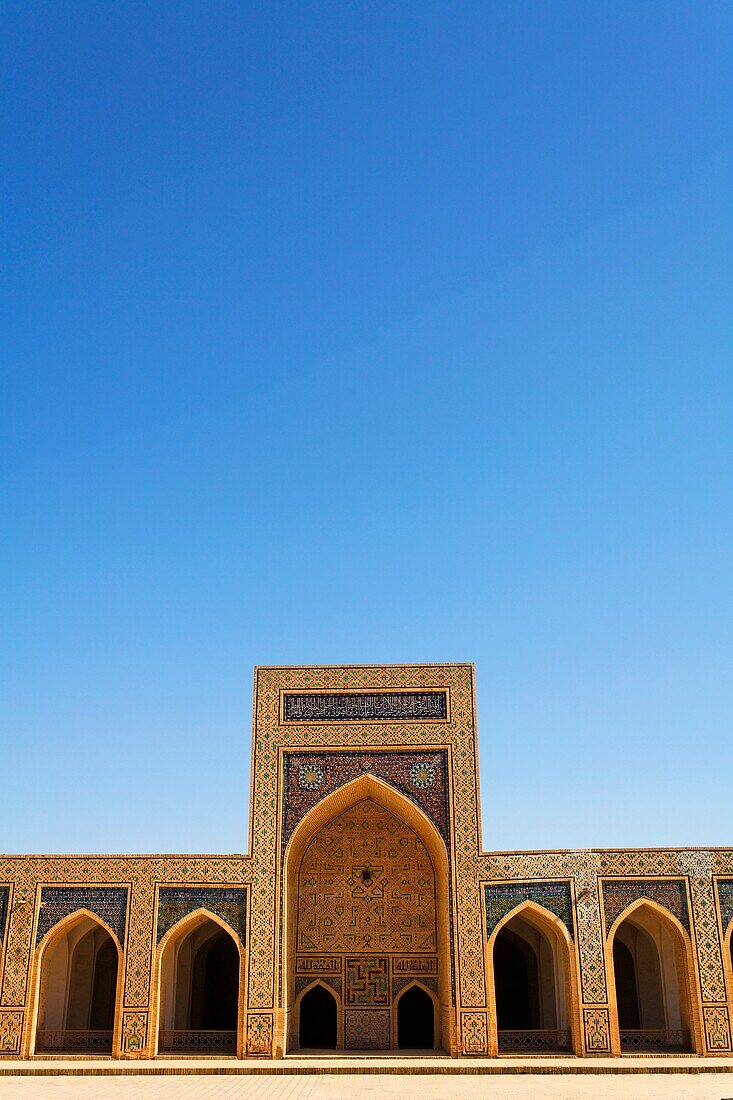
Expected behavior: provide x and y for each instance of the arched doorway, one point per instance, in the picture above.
(199, 990)
(653, 1004)
(318, 1027)
(531, 967)
(415, 1020)
(78, 990)
(367, 896)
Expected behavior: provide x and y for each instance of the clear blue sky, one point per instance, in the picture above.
(382, 332)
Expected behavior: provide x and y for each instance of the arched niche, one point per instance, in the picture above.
(318, 1012)
(416, 1018)
(533, 984)
(654, 1001)
(331, 807)
(199, 983)
(79, 975)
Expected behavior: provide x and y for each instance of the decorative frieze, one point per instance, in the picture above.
(376, 706)
(422, 776)
(502, 897)
(176, 902)
(671, 894)
(58, 902)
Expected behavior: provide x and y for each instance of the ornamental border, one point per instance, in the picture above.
(434, 689)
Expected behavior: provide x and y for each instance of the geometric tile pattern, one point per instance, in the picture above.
(420, 776)
(140, 872)
(698, 866)
(474, 1033)
(583, 867)
(717, 1027)
(705, 917)
(670, 894)
(11, 1027)
(175, 902)
(501, 898)
(725, 894)
(108, 902)
(366, 884)
(367, 981)
(134, 1031)
(588, 918)
(272, 739)
(259, 1033)
(366, 1029)
(597, 1030)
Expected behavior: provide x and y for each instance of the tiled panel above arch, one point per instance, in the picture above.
(422, 776)
(725, 897)
(670, 893)
(176, 902)
(502, 897)
(107, 902)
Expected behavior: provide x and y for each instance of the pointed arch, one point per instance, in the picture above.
(566, 979)
(642, 913)
(328, 809)
(658, 909)
(175, 937)
(196, 916)
(67, 922)
(318, 983)
(416, 984)
(40, 976)
(357, 790)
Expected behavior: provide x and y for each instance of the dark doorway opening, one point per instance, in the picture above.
(415, 1020)
(517, 985)
(627, 996)
(200, 992)
(318, 1028)
(215, 986)
(102, 1011)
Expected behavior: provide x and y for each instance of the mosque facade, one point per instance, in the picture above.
(366, 915)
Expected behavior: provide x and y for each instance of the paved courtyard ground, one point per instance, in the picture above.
(708, 1086)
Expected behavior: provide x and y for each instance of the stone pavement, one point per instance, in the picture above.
(662, 1086)
(391, 1077)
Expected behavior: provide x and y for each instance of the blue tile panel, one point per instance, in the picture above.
(108, 902)
(422, 776)
(725, 893)
(670, 893)
(4, 896)
(229, 904)
(502, 897)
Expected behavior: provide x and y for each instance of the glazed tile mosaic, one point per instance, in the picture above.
(619, 894)
(366, 882)
(502, 898)
(420, 776)
(108, 902)
(175, 902)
